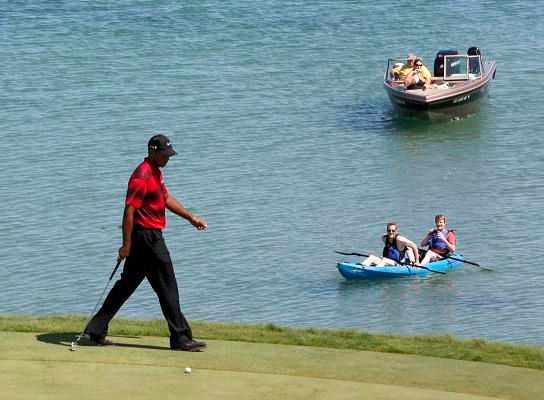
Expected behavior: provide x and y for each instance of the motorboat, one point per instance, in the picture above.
(458, 83)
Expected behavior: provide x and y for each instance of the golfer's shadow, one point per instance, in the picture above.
(66, 338)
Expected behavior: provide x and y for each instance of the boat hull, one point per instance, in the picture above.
(453, 102)
(354, 271)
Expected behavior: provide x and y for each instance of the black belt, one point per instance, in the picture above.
(141, 228)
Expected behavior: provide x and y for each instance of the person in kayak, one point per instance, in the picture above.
(439, 240)
(397, 250)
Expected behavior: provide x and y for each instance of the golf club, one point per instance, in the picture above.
(74, 344)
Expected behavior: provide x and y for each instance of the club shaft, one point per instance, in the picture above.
(99, 300)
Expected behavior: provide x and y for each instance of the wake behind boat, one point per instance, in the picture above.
(460, 81)
(350, 270)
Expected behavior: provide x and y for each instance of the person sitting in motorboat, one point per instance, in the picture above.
(401, 71)
(439, 240)
(419, 77)
(397, 250)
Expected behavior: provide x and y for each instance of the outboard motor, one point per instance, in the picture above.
(474, 64)
(474, 51)
(439, 61)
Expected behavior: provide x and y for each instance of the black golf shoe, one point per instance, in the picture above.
(100, 341)
(191, 345)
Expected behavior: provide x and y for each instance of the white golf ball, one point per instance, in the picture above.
(188, 370)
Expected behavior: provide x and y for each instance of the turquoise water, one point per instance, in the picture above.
(288, 147)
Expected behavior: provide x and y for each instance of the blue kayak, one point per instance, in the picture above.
(351, 270)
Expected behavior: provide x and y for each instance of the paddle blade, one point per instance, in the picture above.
(351, 254)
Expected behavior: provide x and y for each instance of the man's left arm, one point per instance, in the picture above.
(172, 204)
(408, 243)
(450, 241)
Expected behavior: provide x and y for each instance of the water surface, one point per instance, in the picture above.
(288, 147)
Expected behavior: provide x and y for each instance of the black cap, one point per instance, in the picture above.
(161, 144)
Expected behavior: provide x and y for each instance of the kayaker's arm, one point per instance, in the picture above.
(416, 252)
(408, 243)
(425, 240)
(450, 246)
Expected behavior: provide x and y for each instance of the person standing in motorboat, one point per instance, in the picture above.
(439, 240)
(397, 250)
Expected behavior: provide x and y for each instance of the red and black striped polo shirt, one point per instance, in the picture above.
(146, 192)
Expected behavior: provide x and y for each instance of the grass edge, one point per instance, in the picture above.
(442, 346)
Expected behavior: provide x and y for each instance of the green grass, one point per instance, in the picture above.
(265, 361)
(38, 366)
(442, 346)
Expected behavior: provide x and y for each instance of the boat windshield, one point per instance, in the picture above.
(462, 67)
(392, 64)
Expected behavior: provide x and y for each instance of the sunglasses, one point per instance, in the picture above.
(419, 65)
(391, 230)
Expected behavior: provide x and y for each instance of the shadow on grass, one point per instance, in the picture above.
(66, 338)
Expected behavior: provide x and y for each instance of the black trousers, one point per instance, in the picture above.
(149, 258)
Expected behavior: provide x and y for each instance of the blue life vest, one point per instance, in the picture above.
(391, 250)
(435, 243)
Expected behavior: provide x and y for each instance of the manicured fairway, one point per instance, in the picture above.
(40, 366)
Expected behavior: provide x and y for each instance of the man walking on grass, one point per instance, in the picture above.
(145, 250)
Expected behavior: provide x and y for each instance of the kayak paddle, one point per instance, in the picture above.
(464, 261)
(468, 262)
